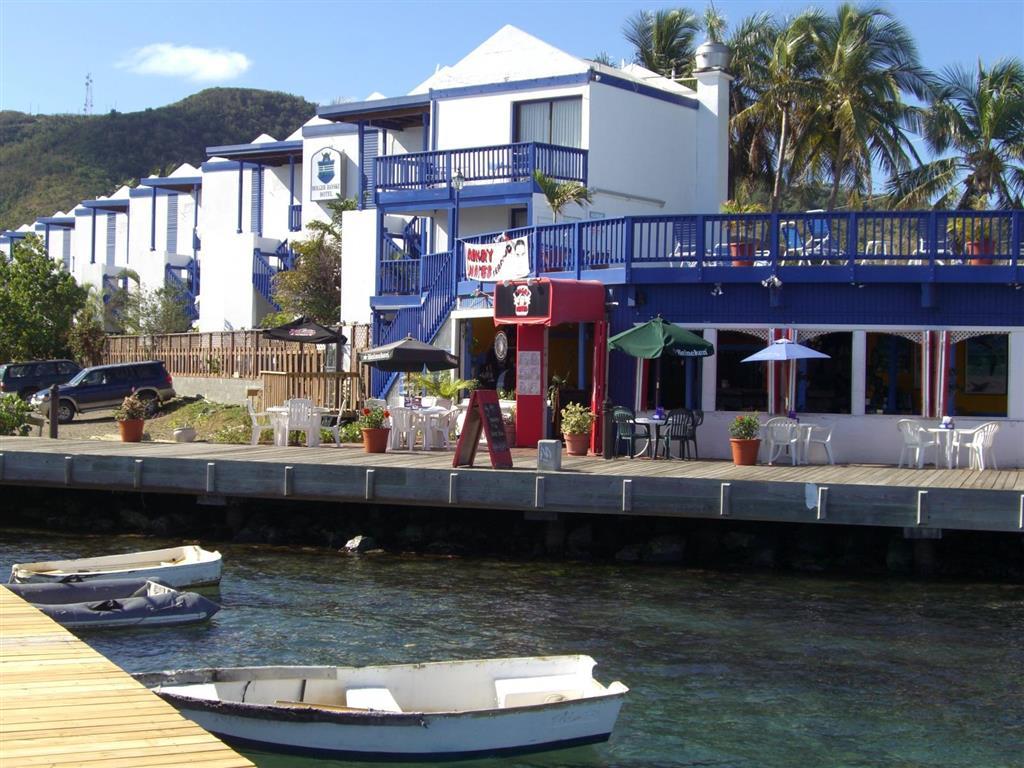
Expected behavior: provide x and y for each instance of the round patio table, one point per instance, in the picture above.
(654, 424)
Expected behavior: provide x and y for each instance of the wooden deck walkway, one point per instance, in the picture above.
(62, 704)
(848, 494)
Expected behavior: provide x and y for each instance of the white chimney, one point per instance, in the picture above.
(712, 145)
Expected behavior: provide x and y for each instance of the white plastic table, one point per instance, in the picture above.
(279, 418)
(655, 425)
(425, 417)
(947, 439)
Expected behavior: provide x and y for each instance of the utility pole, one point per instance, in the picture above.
(87, 109)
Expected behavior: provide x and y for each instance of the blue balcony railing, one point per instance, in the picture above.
(496, 164)
(919, 246)
(294, 218)
(186, 281)
(264, 269)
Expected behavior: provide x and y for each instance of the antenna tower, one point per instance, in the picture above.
(87, 109)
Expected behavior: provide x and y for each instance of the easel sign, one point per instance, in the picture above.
(484, 414)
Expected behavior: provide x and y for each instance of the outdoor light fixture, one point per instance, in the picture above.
(772, 282)
(458, 180)
(717, 290)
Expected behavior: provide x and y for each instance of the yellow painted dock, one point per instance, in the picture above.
(62, 704)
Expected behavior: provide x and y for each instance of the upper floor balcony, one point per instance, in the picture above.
(424, 176)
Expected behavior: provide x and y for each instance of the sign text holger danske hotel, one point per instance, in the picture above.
(503, 260)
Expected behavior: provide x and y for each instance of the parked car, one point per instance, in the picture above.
(104, 386)
(26, 379)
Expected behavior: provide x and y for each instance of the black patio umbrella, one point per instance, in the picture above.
(306, 331)
(409, 355)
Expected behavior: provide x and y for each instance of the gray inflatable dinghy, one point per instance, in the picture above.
(101, 604)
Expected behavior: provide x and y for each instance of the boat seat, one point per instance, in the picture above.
(530, 691)
(379, 699)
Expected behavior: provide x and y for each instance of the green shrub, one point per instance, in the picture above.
(14, 415)
(745, 427)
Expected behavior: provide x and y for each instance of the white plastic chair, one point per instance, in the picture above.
(781, 435)
(819, 436)
(916, 440)
(403, 433)
(261, 422)
(436, 430)
(979, 445)
(331, 422)
(302, 418)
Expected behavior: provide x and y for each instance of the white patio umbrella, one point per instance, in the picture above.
(782, 350)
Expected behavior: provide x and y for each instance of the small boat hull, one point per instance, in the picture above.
(585, 713)
(116, 603)
(178, 567)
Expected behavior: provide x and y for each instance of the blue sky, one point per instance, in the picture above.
(146, 54)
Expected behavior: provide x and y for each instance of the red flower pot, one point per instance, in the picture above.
(376, 440)
(131, 430)
(744, 452)
(742, 254)
(577, 445)
(980, 251)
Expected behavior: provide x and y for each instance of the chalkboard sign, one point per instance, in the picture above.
(483, 415)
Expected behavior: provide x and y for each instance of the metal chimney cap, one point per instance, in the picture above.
(712, 55)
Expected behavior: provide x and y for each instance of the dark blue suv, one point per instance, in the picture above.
(103, 387)
(26, 379)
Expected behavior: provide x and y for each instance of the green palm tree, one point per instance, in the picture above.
(978, 117)
(664, 40)
(561, 193)
(781, 82)
(865, 61)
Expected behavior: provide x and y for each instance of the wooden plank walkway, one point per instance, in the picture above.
(62, 704)
(849, 494)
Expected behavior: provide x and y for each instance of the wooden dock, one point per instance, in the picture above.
(958, 499)
(62, 704)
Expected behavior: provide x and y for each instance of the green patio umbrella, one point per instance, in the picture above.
(655, 338)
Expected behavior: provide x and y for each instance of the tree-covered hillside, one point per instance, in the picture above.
(52, 162)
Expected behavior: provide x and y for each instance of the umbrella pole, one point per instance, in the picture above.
(657, 383)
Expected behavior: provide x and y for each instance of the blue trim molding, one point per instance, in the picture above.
(613, 81)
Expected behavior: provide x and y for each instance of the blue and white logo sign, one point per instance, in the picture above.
(325, 182)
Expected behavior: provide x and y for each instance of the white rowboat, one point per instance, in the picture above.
(440, 710)
(187, 566)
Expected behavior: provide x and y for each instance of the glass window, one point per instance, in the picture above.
(980, 375)
(66, 366)
(554, 121)
(892, 375)
(741, 386)
(46, 369)
(823, 385)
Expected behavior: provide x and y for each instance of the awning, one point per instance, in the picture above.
(265, 153)
(543, 301)
(176, 183)
(396, 113)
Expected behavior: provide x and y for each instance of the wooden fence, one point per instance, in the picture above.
(338, 391)
(230, 354)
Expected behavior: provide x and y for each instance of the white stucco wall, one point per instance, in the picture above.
(358, 265)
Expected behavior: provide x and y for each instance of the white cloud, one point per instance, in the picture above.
(199, 64)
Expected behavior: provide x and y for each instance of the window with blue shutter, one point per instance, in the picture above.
(256, 211)
(369, 152)
(111, 237)
(172, 223)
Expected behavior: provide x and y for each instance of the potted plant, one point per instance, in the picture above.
(576, 423)
(741, 234)
(509, 418)
(744, 440)
(444, 386)
(375, 429)
(131, 418)
(973, 236)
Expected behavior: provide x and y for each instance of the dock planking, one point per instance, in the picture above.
(62, 704)
(959, 499)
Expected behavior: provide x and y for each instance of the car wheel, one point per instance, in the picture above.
(65, 412)
(152, 404)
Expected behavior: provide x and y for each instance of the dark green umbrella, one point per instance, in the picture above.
(655, 338)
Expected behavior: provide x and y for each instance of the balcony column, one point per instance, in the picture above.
(92, 247)
(858, 368)
(1015, 388)
(152, 221)
(241, 170)
(46, 239)
(709, 374)
(362, 177)
(195, 218)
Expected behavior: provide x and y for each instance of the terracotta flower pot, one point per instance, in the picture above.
(744, 452)
(742, 254)
(376, 440)
(980, 251)
(577, 445)
(131, 430)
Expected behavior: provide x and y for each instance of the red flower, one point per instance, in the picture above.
(366, 411)
(387, 414)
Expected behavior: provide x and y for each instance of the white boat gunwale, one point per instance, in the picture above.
(183, 566)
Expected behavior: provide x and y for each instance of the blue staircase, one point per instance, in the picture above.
(264, 269)
(437, 280)
(186, 281)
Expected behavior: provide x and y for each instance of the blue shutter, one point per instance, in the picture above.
(256, 211)
(67, 249)
(369, 169)
(172, 223)
(111, 237)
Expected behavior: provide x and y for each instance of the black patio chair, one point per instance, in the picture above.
(680, 427)
(627, 429)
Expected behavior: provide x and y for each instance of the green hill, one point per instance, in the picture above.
(52, 162)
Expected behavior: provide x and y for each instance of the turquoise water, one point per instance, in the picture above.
(731, 670)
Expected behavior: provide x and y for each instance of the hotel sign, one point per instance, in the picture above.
(327, 174)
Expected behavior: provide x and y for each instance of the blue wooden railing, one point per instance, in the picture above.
(294, 218)
(263, 270)
(436, 273)
(187, 284)
(500, 163)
